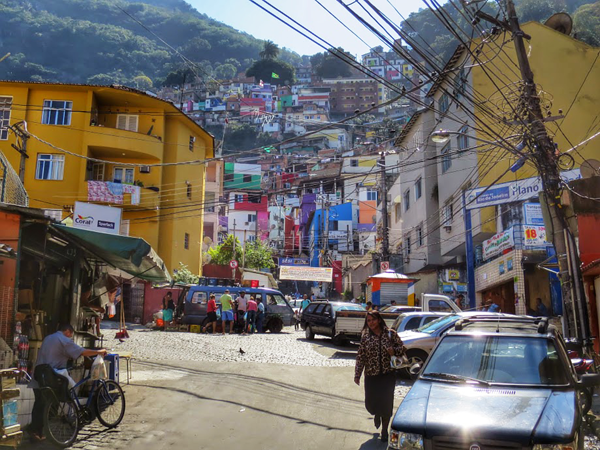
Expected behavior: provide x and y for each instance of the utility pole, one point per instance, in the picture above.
(385, 244)
(233, 244)
(546, 162)
(21, 147)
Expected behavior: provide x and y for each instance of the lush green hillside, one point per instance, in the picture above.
(94, 41)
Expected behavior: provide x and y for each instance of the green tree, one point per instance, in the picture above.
(223, 253)
(142, 82)
(184, 275)
(586, 23)
(179, 77)
(264, 68)
(258, 256)
(270, 50)
(225, 71)
(329, 66)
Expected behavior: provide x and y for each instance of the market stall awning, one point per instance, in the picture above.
(132, 255)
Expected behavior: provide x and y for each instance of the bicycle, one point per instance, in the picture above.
(65, 415)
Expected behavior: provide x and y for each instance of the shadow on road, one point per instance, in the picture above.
(254, 408)
(373, 443)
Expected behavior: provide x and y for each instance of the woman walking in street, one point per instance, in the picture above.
(377, 346)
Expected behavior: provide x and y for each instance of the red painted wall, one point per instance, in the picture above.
(9, 235)
(153, 300)
(250, 206)
(589, 244)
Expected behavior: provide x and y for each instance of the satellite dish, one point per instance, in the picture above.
(206, 258)
(207, 240)
(560, 22)
(590, 168)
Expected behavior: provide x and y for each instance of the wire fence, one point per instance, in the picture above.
(11, 189)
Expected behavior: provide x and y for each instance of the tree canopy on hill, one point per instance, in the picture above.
(82, 41)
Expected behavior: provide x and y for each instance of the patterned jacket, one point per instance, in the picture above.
(373, 356)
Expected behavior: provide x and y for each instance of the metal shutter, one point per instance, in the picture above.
(394, 291)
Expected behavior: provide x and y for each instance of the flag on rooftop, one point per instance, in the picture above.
(274, 75)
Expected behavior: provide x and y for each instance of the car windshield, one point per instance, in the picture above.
(496, 359)
(432, 327)
(348, 307)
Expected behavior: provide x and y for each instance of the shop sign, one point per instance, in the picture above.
(532, 213)
(509, 264)
(513, 191)
(339, 235)
(322, 274)
(104, 219)
(501, 268)
(534, 236)
(498, 243)
(447, 287)
(461, 287)
(294, 262)
(453, 274)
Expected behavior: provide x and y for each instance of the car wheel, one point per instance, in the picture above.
(309, 333)
(414, 357)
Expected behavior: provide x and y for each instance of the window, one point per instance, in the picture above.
(407, 200)
(247, 179)
(123, 175)
(446, 158)
(463, 139)
(57, 112)
(191, 145)
(398, 210)
(239, 198)
(127, 122)
(186, 241)
(5, 106)
(251, 238)
(412, 323)
(419, 237)
(371, 195)
(354, 163)
(418, 189)
(189, 190)
(50, 167)
(460, 82)
(444, 104)
(98, 172)
(447, 214)
(209, 202)
(407, 244)
(251, 218)
(228, 178)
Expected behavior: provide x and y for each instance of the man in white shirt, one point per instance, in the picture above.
(242, 303)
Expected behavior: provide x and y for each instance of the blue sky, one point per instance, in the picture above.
(246, 16)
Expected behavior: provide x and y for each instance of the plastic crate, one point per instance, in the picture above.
(185, 328)
(195, 328)
(171, 327)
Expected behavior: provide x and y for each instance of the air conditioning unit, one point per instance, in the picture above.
(246, 223)
(406, 259)
(144, 169)
(448, 228)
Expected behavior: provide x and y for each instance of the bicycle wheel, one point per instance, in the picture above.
(110, 403)
(61, 422)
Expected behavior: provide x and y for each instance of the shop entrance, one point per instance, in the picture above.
(503, 295)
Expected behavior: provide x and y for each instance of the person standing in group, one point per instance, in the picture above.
(251, 309)
(305, 303)
(241, 310)
(227, 311)
(260, 315)
(377, 346)
(211, 309)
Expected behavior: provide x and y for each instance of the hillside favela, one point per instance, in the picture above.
(309, 225)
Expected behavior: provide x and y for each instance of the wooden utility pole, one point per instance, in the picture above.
(546, 161)
(20, 130)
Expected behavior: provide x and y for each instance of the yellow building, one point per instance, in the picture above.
(114, 125)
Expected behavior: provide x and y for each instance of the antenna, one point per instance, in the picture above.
(560, 22)
(590, 168)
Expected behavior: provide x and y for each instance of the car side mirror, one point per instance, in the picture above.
(415, 369)
(590, 380)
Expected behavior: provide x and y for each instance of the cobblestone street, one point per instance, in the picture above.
(199, 391)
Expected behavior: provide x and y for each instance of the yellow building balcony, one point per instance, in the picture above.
(114, 142)
(121, 195)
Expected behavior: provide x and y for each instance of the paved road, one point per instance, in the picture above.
(209, 396)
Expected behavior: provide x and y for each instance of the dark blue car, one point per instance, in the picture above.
(495, 383)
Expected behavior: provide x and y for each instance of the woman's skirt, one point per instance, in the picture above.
(379, 394)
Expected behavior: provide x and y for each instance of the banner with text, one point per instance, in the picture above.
(497, 244)
(534, 236)
(105, 219)
(323, 274)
